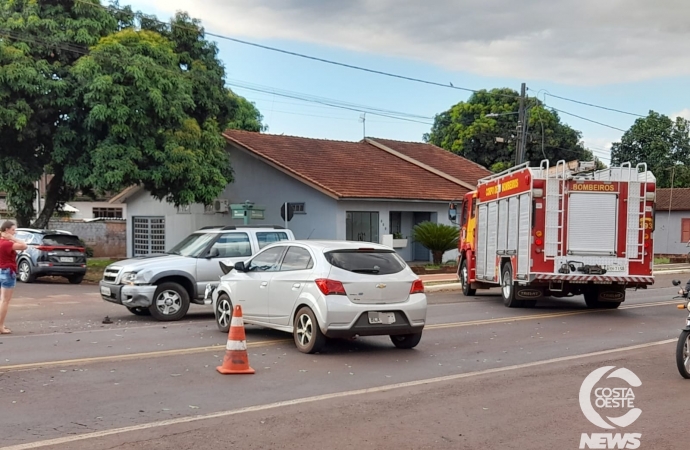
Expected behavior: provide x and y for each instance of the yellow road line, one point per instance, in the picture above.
(96, 359)
(195, 350)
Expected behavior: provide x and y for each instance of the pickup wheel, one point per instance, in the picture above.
(170, 302)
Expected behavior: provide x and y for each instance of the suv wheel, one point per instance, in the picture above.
(170, 302)
(75, 279)
(25, 273)
(306, 331)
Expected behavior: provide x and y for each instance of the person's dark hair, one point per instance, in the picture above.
(6, 225)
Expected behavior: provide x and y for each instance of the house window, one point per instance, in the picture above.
(107, 213)
(362, 226)
(685, 230)
(298, 208)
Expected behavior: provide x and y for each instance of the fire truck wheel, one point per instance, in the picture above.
(467, 291)
(592, 300)
(508, 287)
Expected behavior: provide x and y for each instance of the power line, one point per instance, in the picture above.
(584, 118)
(301, 55)
(361, 110)
(330, 103)
(594, 106)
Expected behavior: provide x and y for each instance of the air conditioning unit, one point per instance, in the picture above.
(220, 205)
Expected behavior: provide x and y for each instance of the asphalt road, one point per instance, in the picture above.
(484, 376)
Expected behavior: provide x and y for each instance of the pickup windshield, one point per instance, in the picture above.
(192, 245)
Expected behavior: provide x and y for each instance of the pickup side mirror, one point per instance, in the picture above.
(239, 266)
(213, 253)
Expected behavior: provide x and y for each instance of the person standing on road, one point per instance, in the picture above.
(8, 269)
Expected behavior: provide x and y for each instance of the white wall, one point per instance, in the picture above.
(667, 233)
(438, 211)
(86, 209)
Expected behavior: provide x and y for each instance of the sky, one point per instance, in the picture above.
(627, 55)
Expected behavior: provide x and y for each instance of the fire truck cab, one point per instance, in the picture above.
(558, 231)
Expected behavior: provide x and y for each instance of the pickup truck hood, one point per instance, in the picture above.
(157, 262)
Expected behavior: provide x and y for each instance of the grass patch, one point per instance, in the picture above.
(95, 267)
(662, 260)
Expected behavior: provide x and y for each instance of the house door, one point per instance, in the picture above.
(148, 235)
(419, 252)
(362, 226)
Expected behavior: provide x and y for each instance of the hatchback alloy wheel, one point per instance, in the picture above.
(307, 334)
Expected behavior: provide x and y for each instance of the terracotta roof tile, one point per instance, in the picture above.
(681, 199)
(438, 158)
(358, 169)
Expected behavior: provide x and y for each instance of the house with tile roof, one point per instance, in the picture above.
(362, 191)
(672, 217)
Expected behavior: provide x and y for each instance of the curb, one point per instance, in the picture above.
(443, 287)
(456, 286)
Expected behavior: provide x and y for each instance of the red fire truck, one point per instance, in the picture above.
(558, 231)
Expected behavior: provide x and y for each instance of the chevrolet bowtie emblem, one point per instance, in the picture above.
(381, 286)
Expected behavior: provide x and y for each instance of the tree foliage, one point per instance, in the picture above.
(660, 142)
(103, 98)
(436, 237)
(466, 130)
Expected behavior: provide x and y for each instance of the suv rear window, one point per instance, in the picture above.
(373, 262)
(61, 239)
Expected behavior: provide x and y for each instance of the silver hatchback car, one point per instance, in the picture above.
(320, 289)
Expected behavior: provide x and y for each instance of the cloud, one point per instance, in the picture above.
(579, 42)
(685, 114)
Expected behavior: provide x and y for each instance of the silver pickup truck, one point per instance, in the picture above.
(164, 285)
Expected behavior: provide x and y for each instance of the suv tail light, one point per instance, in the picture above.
(417, 287)
(330, 287)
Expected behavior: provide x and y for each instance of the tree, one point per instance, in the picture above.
(103, 98)
(436, 237)
(247, 116)
(466, 130)
(662, 143)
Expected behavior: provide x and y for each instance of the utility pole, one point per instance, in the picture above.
(519, 147)
(363, 119)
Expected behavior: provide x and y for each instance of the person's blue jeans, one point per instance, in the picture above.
(8, 279)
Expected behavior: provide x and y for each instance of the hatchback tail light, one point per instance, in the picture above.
(417, 287)
(330, 287)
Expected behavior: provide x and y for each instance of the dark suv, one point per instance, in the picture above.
(50, 253)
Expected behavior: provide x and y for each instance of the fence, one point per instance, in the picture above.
(106, 238)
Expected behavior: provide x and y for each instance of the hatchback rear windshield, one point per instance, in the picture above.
(61, 239)
(373, 262)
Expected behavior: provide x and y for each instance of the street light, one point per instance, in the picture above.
(502, 114)
(522, 134)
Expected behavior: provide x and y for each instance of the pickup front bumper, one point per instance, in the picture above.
(127, 295)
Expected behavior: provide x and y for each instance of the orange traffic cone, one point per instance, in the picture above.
(236, 359)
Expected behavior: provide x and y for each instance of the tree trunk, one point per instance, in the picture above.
(23, 220)
(51, 201)
(438, 257)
